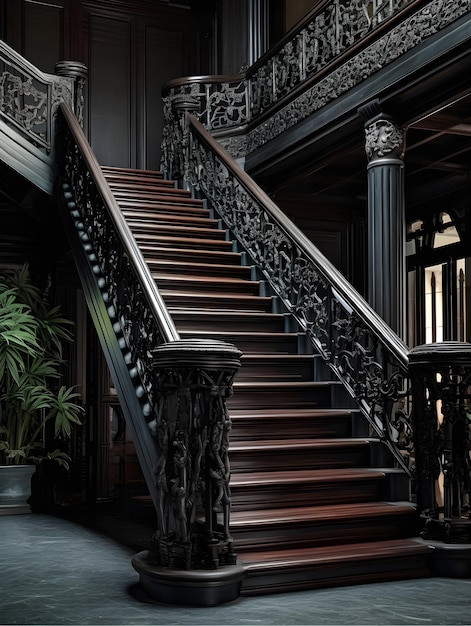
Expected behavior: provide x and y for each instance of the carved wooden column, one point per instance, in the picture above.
(386, 219)
(191, 559)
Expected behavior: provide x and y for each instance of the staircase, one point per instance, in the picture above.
(316, 502)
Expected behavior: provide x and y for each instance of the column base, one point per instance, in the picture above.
(188, 587)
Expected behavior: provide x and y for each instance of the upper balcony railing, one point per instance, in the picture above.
(339, 44)
(29, 97)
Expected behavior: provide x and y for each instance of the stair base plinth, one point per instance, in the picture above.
(188, 587)
(450, 560)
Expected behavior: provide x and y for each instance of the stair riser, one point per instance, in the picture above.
(261, 398)
(196, 286)
(335, 531)
(215, 303)
(325, 574)
(226, 322)
(298, 370)
(225, 272)
(134, 205)
(263, 497)
(153, 244)
(298, 459)
(182, 255)
(283, 344)
(169, 230)
(149, 220)
(167, 196)
(141, 186)
(329, 427)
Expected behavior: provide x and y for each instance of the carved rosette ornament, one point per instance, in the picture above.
(384, 139)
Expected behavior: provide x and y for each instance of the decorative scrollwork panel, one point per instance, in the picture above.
(29, 98)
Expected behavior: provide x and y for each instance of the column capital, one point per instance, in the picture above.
(384, 139)
(384, 136)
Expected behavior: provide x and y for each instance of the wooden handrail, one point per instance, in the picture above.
(344, 289)
(210, 79)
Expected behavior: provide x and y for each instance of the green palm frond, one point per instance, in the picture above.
(31, 338)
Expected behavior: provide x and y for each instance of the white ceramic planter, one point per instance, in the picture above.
(15, 488)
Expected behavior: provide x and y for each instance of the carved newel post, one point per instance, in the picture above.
(441, 413)
(78, 72)
(191, 559)
(175, 157)
(384, 145)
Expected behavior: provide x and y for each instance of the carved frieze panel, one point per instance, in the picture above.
(409, 33)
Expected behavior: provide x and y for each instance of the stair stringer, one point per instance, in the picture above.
(22, 156)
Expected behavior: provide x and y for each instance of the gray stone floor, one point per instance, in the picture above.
(55, 571)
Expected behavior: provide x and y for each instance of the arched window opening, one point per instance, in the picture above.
(415, 237)
(446, 233)
(439, 293)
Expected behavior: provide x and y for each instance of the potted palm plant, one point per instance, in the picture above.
(35, 410)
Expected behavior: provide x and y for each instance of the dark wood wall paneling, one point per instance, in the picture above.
(131, 50)
(159, 44)
(40, 31)
(112, 89)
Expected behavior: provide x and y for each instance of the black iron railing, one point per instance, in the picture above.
(362, 351)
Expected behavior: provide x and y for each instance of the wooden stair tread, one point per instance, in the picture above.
(296, 444)
(254, 334)
(229, 281)
(211, 297)
(137, 188)
(146, 238)
(159, 207)
(230, 315)
(132, 171)
(161, 196)
(161, 265)
(182, 220)
(145, 185)
(223, 257)
(159, 201)
(321, 554)
(276, 358)
(283, 414)
(153, 230)
(254, 479)
(281, 385)
(322, 513)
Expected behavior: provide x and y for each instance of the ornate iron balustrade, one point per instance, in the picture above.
(441, 375)
(326, 33)
(363, 352)
(29, 98)
(135, 307)
(338, 45)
